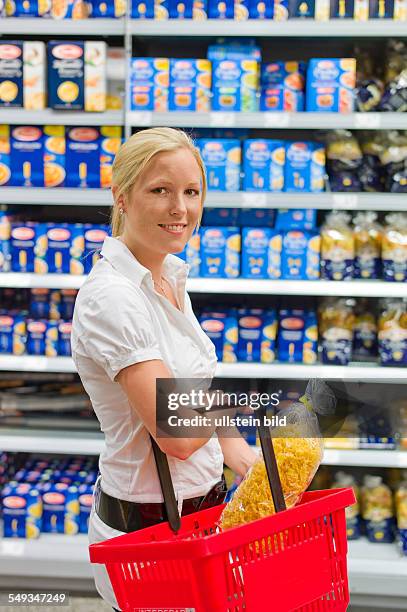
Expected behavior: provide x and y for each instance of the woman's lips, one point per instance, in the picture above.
(174, 228)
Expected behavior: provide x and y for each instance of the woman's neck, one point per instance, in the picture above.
(153, 261)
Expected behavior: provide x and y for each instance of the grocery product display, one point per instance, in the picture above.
(306, 187)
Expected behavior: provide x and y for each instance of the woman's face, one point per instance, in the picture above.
(164, 205)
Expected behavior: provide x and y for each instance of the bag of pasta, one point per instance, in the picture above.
(298, 447)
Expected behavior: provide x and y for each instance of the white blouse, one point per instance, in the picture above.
(120, 320)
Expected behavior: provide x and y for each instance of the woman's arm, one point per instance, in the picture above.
(138, 381)
(238, 455)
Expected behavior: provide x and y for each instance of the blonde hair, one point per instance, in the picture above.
(135, 155)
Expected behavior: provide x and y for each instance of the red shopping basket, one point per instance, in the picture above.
(293, 560)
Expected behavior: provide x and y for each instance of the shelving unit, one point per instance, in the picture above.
(215, 199)
(62, 27)
(19, 116)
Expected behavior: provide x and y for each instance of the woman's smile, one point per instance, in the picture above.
(173, 228)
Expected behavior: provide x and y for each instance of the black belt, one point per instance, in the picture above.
(129, 516)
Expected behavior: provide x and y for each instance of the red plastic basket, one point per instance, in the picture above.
(293, 560)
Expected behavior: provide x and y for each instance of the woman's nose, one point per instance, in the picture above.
(178, 204)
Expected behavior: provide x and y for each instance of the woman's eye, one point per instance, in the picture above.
(192, 192)
(159, 190)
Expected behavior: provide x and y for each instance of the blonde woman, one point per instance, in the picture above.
(133, 323)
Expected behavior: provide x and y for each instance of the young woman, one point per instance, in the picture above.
(133, 323)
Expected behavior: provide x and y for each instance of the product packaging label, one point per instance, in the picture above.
(263, 165)
(95, 76)
(54, 155)
(261, 253)
(66, 74)
(336, 346)
(297, 336)
(301, 255)
(85, 493)
(190, 85)
(59, 239)
(36, 332)
(60, 509)
(304, 167)
(221, 328)
(261, 9)
(12, 334)
(113, 9)
(296, 219)
(27, 156)
(22, 511)
(282, 86)
(83, 157)
(11, 73)
(22, 244)
(330, 85)
(39, 303)
(149, 83)
(51, 339)
(221, 9)
(64, 338)
(142, 9)
(222, 160)
(188, 9)
(220, 252)
(5, 247)
(382, 9)
(234, 85)
(257, 335)
(70, 9)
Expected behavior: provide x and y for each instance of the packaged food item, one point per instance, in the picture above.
(300, 256)
(222, 160)
(111, 9)
(393, 157)
(83, 157)
(368, 239)
(377, 510)
(263, 165)
(297, 336)
(60, 509)
(258, 9)
(54, 155)
(142, 9)
(22, 74)
(221, 327)
(352, 513)
(298, 448)
(39, 303)
(300, 9)
(322, 10)
(5, 161)
(59, 240)
(76, 252)
(261, 253)
(257, 331)
(55, 305)
(77, 75)
(109, 144)
(382, 9)
(296, 219)
(27, 156)
(392, 334)
(218, 9)
(85, 493)
(336, 328)
(189, 9)
(344, 158)
(401, 513)
(235, 49)
(22, 511)
(12, 333)
(330, 85)
(36, 332)
(64, 338)
(149, 83)
(394, 248)
(364, 332)
(51, 339)
(94, 236)
(22, 243)
(235, 84)
(70, 9)
(282, 86)
(256, 217)
(350, 9)
(220, 252)
(190, 85)
(337, 247)
(281, 12)
(304, 167)
(371, 173)
(222, 216)
(5, 235)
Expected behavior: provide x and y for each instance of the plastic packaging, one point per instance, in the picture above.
(365, 332)
(298, 448)
(392, 333)
(336, 322)
(394, 248)
(337, 247)
(377, 509)
(401, 513)
(344, 158)
(368, 239)
(352, 513)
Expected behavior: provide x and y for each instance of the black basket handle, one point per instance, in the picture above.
(271, 463)
(166, 486)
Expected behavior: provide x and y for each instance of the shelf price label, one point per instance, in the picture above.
(140, 118)
(345, 201)
(276, 120)
(368, 121)
(219, 119)
(255, 200)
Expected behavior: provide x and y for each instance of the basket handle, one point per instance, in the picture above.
(271, 463)
(166, 486)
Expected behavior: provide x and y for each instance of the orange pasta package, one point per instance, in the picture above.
(298, 447)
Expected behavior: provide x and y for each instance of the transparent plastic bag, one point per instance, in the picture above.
(298, 447)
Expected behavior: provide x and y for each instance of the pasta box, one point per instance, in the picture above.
(282, 86)
(220, 252)
(149, 83)
(190, 85)
(261, 253)
(222, 159)
(301, 253)
(330, 85)
(235, 84)
(263, 165)
(304, 167)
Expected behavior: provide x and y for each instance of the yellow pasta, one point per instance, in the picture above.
(297, 459)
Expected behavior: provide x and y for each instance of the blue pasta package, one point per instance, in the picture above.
(11, 73)
(235, 84)
(296, 219)
(301, 255)
(149, 83)
(302, 9)
(190, 85)
(142, 9)
(222, 159)
(27, 156)
(221, 328)
(304, 167)
(256, 217)
(221, 9)
(282, 86)
(83, 157)
(220, 252)
(220, 216)
(85, 492)
(261, 9)
(59, 240)
(331, 85)
(261, 253)
(263, 165)
(94, 238)
(257, 329)
(297, 336)
(22, 244)
(22, 511)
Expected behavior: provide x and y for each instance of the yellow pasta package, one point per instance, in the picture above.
(298, 447)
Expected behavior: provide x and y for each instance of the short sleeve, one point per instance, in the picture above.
(115, 329)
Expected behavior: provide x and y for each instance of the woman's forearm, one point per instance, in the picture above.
(238, 455)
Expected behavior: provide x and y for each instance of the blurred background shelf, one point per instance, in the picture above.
(62, 196)
(20, 116)
(62, 27)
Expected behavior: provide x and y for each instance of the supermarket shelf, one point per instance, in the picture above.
(32, 363)
(279, 371)
(68, 27)
(216, 199)
(20, 116)
(57, 196)
(275, 120)
(365, 458)
(48, 281)
(46, 441)
(321, 201)
(354, 288)
(294, 27)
